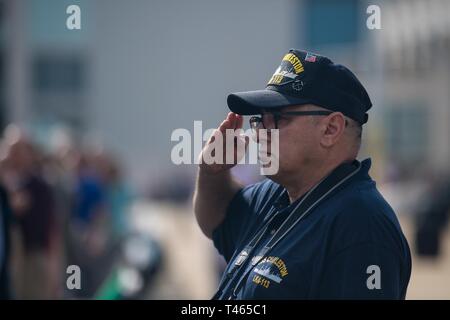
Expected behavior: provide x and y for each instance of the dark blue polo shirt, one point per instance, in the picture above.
(350, 246)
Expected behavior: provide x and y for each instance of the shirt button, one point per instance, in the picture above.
(272, 231)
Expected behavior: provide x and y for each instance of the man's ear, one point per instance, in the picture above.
(333, 128)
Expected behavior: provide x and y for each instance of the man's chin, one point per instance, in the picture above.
(269, 170)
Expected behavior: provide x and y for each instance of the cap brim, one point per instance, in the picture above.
(251, 102)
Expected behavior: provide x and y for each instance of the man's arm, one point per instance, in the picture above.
(213, 193)
(215, 186)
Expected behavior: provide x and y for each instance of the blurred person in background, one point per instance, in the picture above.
(432, 217)
(89, 209)
(33, 209)
(5, 216)
(69, 206)
(117, 195)
(62, 168)
(98, 222)
(59, 179)
(87, 222)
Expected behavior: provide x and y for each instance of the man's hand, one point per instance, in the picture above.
(215, 185)
(233, 122)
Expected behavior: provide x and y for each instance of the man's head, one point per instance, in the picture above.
(335, 103)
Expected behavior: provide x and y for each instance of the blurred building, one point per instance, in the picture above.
(138, 70)
(415, 46)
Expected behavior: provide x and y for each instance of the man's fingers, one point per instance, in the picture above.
(223, 126)
(228, 123)
(214, 136)
(239, 121)
(232, 117)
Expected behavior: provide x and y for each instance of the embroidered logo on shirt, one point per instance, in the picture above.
(269, 269)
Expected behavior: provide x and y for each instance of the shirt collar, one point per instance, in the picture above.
(282, 201)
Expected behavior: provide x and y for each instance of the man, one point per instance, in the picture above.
(318, 228)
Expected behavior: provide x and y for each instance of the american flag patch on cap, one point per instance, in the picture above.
(310, 57)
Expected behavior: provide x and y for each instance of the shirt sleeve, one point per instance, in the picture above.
(226, 236)
(363, 271)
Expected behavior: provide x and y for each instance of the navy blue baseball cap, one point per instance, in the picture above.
(307, 78)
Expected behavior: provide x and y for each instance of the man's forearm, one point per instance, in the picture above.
(213, 193)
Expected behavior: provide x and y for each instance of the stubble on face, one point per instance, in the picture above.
(298, 143)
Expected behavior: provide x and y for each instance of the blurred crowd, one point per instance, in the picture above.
(58, 208)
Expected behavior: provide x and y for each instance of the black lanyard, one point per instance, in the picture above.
(241, 259)
(334, 181)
